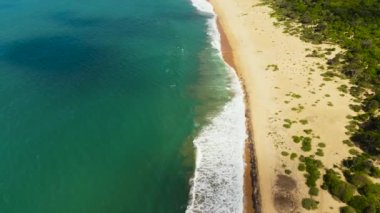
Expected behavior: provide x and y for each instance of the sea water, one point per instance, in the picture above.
(103, 104)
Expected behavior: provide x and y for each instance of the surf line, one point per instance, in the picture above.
(217, 185)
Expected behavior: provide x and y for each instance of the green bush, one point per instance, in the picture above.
(301, 167)
(347, 209)
(312, 169)
(306, 144)
(371, 189)
(309, 203)
(359, 203)
(284, 153)
(313, 191)
(319, 152)
(340, 189)
(361, 163)
(297, 139)
(293, 156)
(358, 179)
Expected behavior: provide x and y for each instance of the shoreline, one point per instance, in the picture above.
(281, 84)
(251, 188)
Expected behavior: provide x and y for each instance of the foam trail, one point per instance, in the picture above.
(217, 185)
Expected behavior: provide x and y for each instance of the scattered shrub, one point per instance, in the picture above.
(309, 203)
(313, 191)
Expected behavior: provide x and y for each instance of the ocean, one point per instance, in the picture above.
(117, 106)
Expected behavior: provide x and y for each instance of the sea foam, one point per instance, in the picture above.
(217, 185)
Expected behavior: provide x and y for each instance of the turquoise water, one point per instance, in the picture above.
(99, 103)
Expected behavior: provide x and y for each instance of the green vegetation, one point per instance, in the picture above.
(298, 109)
(296, 139)
(273, 67)
(309, 203)
(320, 152)
(313, 191)
(301, 167)
(293, 156)
(312, 169)
(347, 209)
(340, 189)
(288, 123)
(308, 131)
(355, 26)
(306, 144)
(343, 88)
(284, 153)
(362, 163)
(353, 152)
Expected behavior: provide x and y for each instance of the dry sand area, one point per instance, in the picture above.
(287, 96)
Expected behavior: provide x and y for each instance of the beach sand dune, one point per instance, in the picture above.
(286, 96)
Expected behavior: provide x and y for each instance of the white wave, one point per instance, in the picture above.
(217, 185)
(204, 7)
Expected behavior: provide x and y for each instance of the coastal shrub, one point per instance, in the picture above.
(284, 153)
(319, 152)
(361, 163)
(309, 203)
(338, 188)
(313, 191)
(295, 95)
(312, 169)
(288, 172)
(288, 123)
(375, 172)
(301, 167)
(298, 109)
(348, 143)
(304, 121)
(371, 189)
(355, 108)
(293, 156)
(306, 144)
(347, 209)
(296, 139)
(359, 203)
(343, 88)
(368, 136)
(365, 203)
(322, 145)
(308, 131)
(357, 179)
(353, 152)
(274, 67)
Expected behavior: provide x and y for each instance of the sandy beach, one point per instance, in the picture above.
(286, 96)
